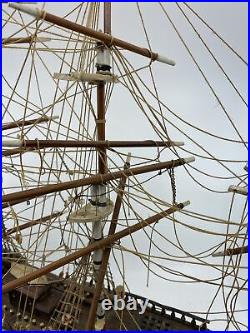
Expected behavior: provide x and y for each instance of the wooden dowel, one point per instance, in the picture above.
(107, 39)
(102, 143)
(24, 40)
(32, 223)
(232, 252)
(97, 179)
(100, 126)
(90, 248)
(107, 17)
(22, 123)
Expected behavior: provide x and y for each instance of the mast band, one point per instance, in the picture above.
(98, 204)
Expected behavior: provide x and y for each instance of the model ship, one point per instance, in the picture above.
(73, 197)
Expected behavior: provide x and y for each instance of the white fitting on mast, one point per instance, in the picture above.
(189, 159)
(102, 58)
(165, 60)
(16, 143)
(186, 203)
(98, 194)
(177, 143)
(238, 189)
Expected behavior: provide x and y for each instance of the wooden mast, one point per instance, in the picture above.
(100, 125)
(107, 18)
(21, 123)
(101, 128)
(96, 309)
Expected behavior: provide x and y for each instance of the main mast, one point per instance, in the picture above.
(99, 192)
(103, 66)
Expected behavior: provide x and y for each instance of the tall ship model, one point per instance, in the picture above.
(124, 171)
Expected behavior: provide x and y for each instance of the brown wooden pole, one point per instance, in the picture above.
(232, 252)
(101, 128)
(100, 124)
(237, 250)
(18, 40)
(31, 145)
(95, 144)
(107, 17)
(21, 123)
(32, 223)
(90, 248)
(105, 257)
(103, 37)
(100, 121)
(97, 179)
(12, 203)
(107, 39)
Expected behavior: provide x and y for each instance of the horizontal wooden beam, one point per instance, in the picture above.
(103, 243)
(22, 123)
(10, 198)
(24, 40)
(107, 39)
(232, 252)
(32, 223)
(87, 144)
